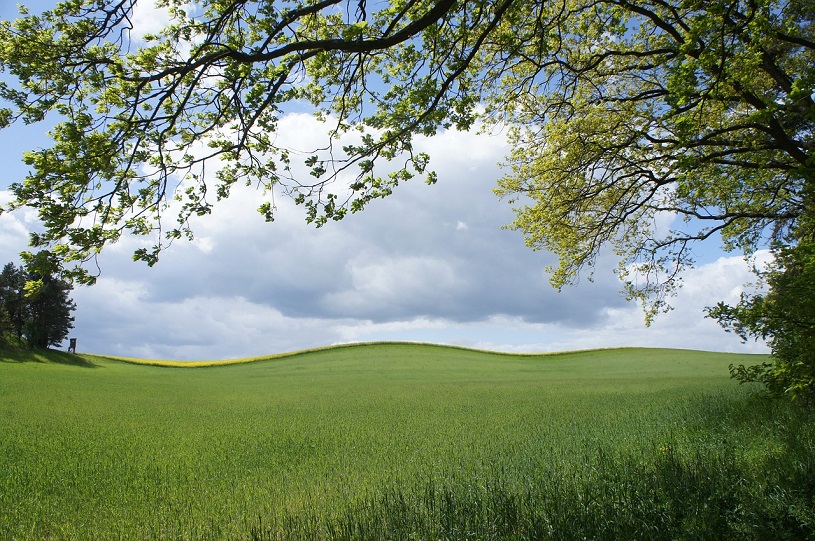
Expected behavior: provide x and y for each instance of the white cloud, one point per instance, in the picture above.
(14, 229)
(124, 318)
(685, 327)
(398, 285)
(205, 244)
(150, 18)
(195, 327)
(147, 18)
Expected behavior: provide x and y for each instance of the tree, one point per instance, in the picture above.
(647, 111)
(784, 316)
(621, 115)
(50, 307)
(12, 298)
(37, 308)
(5, 326)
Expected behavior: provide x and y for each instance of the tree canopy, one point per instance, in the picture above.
(784, 316)
(621, 116)
(14, 308)
(35, 307)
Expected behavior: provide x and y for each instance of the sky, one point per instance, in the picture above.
(428, 264)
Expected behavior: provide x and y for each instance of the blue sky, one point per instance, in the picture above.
(430, 263)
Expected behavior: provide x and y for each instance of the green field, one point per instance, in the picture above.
(399, 441)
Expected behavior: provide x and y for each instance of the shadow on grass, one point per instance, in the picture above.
(24, 355)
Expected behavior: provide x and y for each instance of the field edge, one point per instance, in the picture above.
(166, 363)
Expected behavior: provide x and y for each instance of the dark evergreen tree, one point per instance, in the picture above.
(5, 325)
(50, 308)
(36, 308)
(12, 299)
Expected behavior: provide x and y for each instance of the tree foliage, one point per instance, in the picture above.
(13, 304)
(51, 307)
(633, 113)
(622, 116)
(37, 307)
(784, 316)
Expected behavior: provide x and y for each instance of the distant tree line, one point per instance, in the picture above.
(35, 309)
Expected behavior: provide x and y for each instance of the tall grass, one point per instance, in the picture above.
(707, 493)
(401, 442)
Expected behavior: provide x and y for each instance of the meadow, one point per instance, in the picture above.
(400, 441)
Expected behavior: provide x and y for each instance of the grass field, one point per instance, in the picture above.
(398, 441)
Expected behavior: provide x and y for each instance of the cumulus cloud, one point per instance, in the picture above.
(147, 18)
(150, 18)
(14, 228)
(197, 327)
(684, 327)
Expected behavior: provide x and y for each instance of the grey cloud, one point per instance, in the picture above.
(405, 256)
